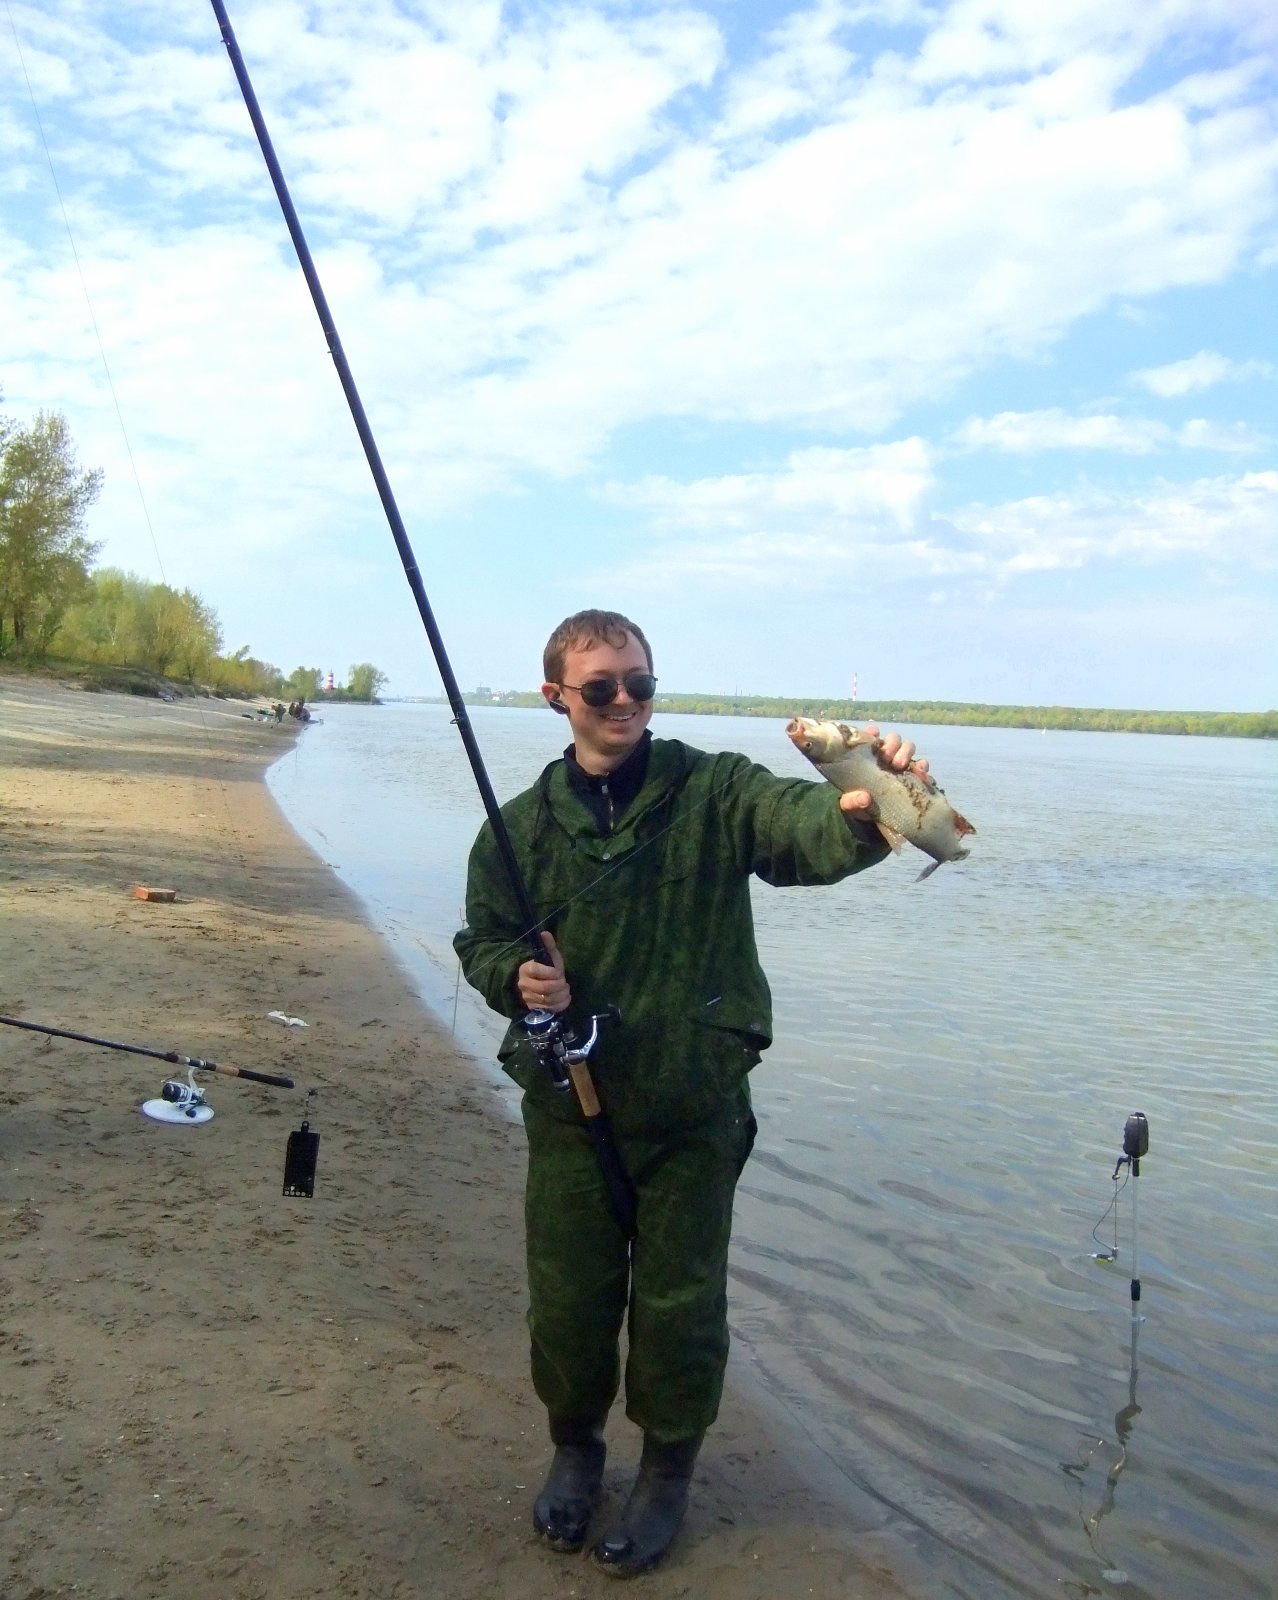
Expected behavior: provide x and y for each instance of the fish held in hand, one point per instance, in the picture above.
(907, 805)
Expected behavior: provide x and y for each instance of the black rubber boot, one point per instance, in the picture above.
(654, 1511)
(563, 1509)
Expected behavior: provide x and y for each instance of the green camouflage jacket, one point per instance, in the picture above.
(655, 919)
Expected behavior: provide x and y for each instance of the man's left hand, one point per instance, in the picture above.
(899, 753)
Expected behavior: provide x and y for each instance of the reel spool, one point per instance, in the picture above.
(179, 1102)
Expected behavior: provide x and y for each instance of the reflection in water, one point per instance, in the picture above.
(1135, 1148)
(1116, 1457)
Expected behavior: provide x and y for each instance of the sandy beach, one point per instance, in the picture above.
(210, 1389)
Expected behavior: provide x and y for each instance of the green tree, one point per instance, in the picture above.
(176, 631)
(102, 625)
(244, 674)
(122, 618)
(200, 638)
(364, 682)
(303, 684)
(44, 556)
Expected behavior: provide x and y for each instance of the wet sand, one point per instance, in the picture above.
(207, 1388)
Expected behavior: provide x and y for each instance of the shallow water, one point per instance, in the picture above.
(913, 1268)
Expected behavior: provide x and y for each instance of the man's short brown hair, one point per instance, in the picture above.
(586, 628)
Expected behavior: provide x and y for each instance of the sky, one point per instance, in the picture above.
(927, 347)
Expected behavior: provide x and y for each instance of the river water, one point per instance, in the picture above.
(915, 1278)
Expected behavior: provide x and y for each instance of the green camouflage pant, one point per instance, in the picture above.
(581, 1276)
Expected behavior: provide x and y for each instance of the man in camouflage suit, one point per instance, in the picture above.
(638, 854)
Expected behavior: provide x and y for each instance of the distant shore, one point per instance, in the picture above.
(212, 1390)
(944, 713)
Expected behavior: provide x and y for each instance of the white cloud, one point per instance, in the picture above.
(1029, 432)
(1233, 438)
(548, 233)
(848, 515)
(879, 484)
(1032, 432)
(565, 257)
(804, 70)
(1196, 373)
(1227, 521)
(977, 39)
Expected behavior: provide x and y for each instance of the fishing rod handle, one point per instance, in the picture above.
(273, 1079)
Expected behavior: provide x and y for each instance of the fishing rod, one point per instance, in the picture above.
(192, 1063)
(555, 1043)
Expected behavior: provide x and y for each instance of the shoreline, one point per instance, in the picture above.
(210, 1388)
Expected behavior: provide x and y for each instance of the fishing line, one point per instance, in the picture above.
(84, 289)
(1135, 1147)
(521, 938)
(236, 848)
(456, 998)
(192, 1063)
(1112, 1254)
(561, 1050)
(624, 861)
(588, 888)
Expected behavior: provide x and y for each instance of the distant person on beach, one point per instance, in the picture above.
(638, 855)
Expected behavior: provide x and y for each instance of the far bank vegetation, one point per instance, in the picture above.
(1223, 724)
(112, 628)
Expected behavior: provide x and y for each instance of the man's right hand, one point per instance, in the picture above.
(543, 988)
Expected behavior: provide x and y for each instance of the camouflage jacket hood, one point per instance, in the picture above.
(655, 919)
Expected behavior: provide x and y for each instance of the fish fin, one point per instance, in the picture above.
(894, 839)
(959, 855)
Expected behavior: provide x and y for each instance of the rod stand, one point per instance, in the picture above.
(1135, 1145)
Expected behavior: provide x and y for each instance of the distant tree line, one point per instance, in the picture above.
(1225, 724)
(1222, 724)
(55, 607)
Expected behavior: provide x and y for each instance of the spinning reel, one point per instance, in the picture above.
(179, 1102)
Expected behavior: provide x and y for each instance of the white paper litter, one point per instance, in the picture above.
(289, 1022)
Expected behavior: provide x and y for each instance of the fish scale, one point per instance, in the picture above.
(908, 806)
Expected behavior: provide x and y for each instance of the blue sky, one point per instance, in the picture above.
(931, 344)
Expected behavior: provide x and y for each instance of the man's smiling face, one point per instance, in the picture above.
(603, 735)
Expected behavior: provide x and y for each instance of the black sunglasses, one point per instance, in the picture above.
(599, 692)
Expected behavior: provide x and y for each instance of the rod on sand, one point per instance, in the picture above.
(172, 1056)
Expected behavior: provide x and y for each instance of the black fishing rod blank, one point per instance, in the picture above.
(192, 1063)
(556, 1046)
(398, 531)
